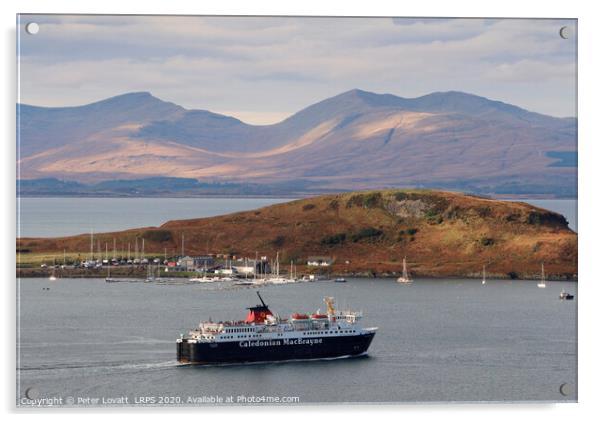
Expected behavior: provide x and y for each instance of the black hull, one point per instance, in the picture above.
(274, 350)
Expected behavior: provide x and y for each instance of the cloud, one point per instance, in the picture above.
(273, 66)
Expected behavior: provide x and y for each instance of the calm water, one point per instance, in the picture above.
(438, 340)
(48, 217)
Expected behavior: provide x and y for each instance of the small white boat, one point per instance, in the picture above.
(565, 295)
(278, 280)
(405, 278)
(542, 282)
(203, 279)
(244, 283)
(53, 275)
(108, 278)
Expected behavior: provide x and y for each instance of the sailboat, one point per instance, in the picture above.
(405, 278)
(53, 275)
(484, 277)
(108, 279)
(291, 275)
(278, 279)
(150, 274)
(542, 283)
(204, 278)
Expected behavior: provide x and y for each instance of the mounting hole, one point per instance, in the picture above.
(32, 28)
(565, 389)
(565, 32)
(32, 393)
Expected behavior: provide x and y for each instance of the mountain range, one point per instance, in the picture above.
(355, 140)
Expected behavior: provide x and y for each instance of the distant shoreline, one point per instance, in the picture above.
(365, 233)
(502, 197)
(171, 196)
(141, 273)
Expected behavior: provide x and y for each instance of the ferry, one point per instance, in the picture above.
(264, 337)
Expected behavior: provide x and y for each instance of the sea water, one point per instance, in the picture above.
(437, 340)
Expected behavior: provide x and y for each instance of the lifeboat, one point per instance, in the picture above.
(299, 316)
(319, 316)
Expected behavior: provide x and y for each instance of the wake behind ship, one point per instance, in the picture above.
(263, 337)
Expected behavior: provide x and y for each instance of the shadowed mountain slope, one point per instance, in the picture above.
(357, 139)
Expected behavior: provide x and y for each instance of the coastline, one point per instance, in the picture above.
(141, 273)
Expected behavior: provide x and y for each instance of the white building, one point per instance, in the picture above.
(319, 261)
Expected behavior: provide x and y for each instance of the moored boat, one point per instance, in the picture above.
(542, 282)
(405, 277)
(565, 295)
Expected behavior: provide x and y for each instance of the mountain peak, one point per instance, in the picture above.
(370, 97)
(356, 100)
(131, 101)
(142, 96)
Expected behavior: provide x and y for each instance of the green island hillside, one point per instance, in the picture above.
(442, 234)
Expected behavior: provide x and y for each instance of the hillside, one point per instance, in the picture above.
(355, 140)
(441, 233)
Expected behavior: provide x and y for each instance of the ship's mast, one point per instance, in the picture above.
(261, 300)
(329, 305)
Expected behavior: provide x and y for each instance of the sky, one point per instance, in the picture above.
(263, 69)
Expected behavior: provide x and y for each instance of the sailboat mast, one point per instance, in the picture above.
(182, 245)
(405, 269)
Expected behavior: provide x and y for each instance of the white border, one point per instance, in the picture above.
(590, 205)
